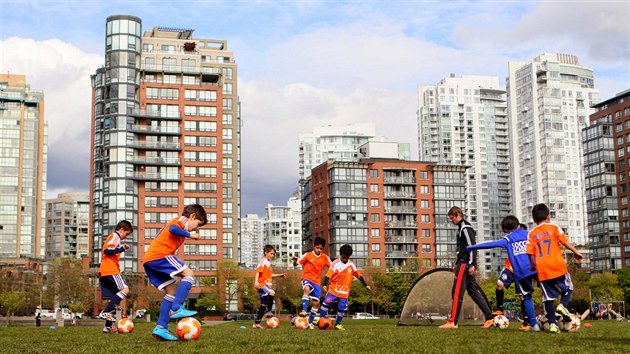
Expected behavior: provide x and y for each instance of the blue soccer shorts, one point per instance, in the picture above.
(341, 306)
(161, 272)
(111, 285)
(525, 286)
(316, 290)
(507, 277)
(553, 288)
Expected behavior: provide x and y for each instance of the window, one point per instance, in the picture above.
(426, 233)
(373, 173)
(374, 203)
(425, 219)
(375, 217)
(374, 188)
(426, 248)
(375, 232)
(424, 189)
(376, 247)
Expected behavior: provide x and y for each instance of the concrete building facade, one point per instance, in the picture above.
(166, 133)
(283, 230)
(23, 166)
(67, 225)
(549, 102)
(463, 121)
(252, 240)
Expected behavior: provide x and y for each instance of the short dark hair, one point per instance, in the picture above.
(198, 210)
(345, 250)
(268, 248)
(523, 226)
(456, 211)
(319, 241)
(509, 223)
(125, 225)
(540, 212)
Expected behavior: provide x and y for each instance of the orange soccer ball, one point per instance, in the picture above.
(188, 329)
(273, 322)
(325, 323)
(125, 325)
(301, 323)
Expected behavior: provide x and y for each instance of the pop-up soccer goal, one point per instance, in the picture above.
(428, 302)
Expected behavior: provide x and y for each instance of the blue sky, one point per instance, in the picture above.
(307, 63)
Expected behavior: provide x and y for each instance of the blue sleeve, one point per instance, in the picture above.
(110, 251)
(502, 243)
(176, 230)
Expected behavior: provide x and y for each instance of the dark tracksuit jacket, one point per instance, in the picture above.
(463, 281)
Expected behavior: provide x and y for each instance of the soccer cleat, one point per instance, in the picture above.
(110, 330)
(553, 328)
(311, 326)
(448, 325)
(303, 314)
(566, 315)
(489, 323)
(181, 313)
(340, 327)
(527, 328)
(316, 321)
(163, 334)
(497, 313)
(536, 328)
(257, 326)
(106, 316)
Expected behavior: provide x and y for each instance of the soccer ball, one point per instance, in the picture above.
(501, 322)
(572, 325)
(125, 325)
(188, 329)
(325, 323)
(273, 322)
(301, 323)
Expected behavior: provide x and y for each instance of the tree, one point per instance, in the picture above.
(68, 282)
(290, 289)
(11, 302)
(604, 287)
(623, 281)
(249, 296)
(227, 285)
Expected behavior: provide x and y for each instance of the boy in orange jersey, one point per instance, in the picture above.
(162, 267)
(313, 263)
(545, 256)
(340, 275)
(263, 282)
(113, 285)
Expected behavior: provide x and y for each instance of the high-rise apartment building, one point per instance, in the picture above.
(23, 160)
(338, 142)
(67, 225)
(601, 194)
(283, 230)
(384, 207)
(252, 240)
(463, 121)
(549, 101)
(166, 133)
(610, 249)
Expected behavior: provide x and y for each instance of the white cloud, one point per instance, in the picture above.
(63, 72)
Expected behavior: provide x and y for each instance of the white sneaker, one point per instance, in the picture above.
(311, 326)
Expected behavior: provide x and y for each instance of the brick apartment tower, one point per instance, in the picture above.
(617, 111)
(165, 133)
(390, 211)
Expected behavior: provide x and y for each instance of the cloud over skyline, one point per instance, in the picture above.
(307, 64)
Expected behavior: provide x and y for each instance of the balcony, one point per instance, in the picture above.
(401, 210)
(147, 176)
(399, 180)
(149, 129)
(401, 254)
(401, 239)
(154, 161)
(401, 224)
(400, 195)
(154, 145)
(145, 113)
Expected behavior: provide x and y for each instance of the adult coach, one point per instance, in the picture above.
(465, 272)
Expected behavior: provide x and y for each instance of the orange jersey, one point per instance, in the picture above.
(508, 265)
(544, 243)
(312, 266)
(110, 264)
(264, 273)
(166, 244)
(340, 275)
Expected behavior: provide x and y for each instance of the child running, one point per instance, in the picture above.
(263, 282)
(545, 256)
(313, 263)
(340, 276)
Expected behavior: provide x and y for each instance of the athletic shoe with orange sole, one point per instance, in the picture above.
(448, 325)
(488, 323)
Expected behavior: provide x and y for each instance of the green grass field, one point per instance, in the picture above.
(380, 336)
